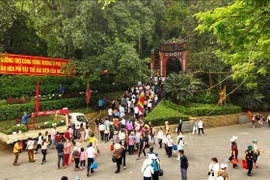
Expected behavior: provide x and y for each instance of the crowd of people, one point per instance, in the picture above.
(127, 132)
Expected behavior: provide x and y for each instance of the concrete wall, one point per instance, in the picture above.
(222, 120)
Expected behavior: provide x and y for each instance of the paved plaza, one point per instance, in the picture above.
(199, 151)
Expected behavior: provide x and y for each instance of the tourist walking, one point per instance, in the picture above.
(123, 153)
(30, 149)
(82, 158)
(180, 144)
(91, 154)
(147, 169)
(76, 155)
(195, 127)
(53, 135)
(213, 169)
(200, 126)
(131, 142)
(183, 165)
(160, 137)
(222, 173)
(67, 151)
(16, 150)
(257, 152)
(249, 158)
(142, 146)
(169, 145)
(117, 155)
(179, 126)
(60, 153)
(39, 142)
(234, 152)
(82, 132)
(44, 146)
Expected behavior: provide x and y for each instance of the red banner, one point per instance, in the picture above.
(31, 65)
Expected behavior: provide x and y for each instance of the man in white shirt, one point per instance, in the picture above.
(101, 128)
(30, 149)
(123, 123)
(110, 113)
(91, 153)
(136, 112)
(122, 135)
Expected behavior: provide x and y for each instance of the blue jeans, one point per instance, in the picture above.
(184, 174)
(53, 143)
(60, 156)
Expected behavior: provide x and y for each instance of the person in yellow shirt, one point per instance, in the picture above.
(16, 150)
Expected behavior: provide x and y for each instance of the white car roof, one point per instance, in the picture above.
(76, 114)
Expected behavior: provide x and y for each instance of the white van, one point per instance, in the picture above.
(76, 119)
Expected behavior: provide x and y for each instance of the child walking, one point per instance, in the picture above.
(82, 158)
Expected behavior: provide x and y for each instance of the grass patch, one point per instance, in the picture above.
(163, 113)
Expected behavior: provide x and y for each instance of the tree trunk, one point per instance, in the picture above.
(210, 80)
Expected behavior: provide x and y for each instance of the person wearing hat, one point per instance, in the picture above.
(257, 152)
(249, 158)
(222, 173)
(117, 154)
(147, 169)
(234, 152)
(155, 163)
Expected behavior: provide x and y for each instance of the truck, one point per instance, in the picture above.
(74, 119)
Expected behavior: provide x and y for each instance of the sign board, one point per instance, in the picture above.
(31, 65)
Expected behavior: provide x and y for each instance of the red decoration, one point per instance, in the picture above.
(87, 94)
(31, 65)
(37, 96)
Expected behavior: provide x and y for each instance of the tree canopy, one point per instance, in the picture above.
(225, 38)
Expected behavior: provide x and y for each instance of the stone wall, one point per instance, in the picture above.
(222, 120)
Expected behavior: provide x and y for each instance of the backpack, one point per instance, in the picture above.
(154, 164)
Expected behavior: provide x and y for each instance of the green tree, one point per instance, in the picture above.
(7, 16)
(181, 87)
(242, 28)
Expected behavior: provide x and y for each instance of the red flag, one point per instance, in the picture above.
(37, 96)
(222, 95)
(87, 94)
(140, 104)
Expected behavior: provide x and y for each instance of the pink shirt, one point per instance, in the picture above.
(67, 148)
(83, 156)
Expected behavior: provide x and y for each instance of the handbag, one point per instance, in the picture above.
(160, 172)
(235, 161)
(174, 147)
(94, 165)
(244, 164)
(113, 159)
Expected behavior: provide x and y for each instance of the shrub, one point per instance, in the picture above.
(16, 110)
(205, 109)
(174, 106)
(18, 85)
(211, 98)
(163, 113)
